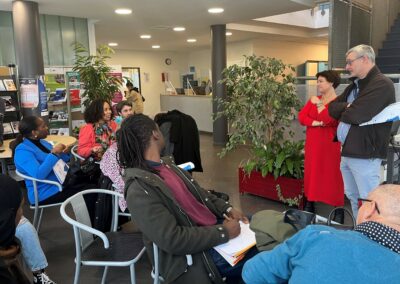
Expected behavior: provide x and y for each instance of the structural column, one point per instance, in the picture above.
(28, 44)
(218, 63)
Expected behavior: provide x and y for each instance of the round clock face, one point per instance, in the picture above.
(168, 61)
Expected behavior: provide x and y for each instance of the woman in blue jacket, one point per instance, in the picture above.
(35, 157)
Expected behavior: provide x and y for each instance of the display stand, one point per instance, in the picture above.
(65, 107)
(9, 93)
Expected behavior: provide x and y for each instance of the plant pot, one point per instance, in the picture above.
(266, 186)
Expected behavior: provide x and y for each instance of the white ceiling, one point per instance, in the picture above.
(157, 17)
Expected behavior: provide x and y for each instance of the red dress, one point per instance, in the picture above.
(322, 177)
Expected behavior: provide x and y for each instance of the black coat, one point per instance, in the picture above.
(185, 137)
(376, 92)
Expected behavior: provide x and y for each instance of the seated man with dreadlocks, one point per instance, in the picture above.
(173, 211)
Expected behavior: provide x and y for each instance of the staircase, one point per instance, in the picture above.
(388, 59)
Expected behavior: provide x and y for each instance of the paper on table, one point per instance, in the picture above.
(241, 243)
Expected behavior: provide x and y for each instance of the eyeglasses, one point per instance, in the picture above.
(361, 200)
(349, 62)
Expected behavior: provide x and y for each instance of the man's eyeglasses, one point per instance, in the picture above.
(349, 62)
(362, 200)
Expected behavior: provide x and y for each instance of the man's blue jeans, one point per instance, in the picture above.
(30, 245)
(360, 177)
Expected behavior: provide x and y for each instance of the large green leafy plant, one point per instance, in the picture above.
(260, 105)
(95, 73)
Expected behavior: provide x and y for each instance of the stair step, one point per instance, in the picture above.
(391, 43)
(386, 60)
(393, 51)
(393, 36)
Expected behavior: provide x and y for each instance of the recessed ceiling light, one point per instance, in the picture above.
(228, 33)
(155, 46)
(191, 40)
(179, 29)
(145, 36)
(113, 44)
(123, 11)
(215, 10)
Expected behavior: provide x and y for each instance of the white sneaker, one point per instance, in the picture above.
(42, 278)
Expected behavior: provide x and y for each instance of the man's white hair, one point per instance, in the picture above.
(363, 50)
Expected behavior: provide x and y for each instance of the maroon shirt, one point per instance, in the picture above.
(197, 211)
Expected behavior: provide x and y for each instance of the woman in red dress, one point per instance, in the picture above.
(322, 177)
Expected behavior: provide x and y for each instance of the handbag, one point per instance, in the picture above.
(89, 166)
(299, 219)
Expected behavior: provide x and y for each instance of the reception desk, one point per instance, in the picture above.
(198, 107)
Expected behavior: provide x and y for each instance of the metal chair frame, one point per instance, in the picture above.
(84, 234)
(38, 209)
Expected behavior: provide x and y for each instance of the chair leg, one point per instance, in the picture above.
(40, 220)
(77, 272)
(132, 269)
(103, 280)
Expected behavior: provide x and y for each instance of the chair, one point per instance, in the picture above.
(106, 249)
(75, 154)
(38, 209)
(155, 273)
(128, 214)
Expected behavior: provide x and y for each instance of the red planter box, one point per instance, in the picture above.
(266, 186)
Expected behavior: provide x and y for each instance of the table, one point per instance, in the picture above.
(54, 139)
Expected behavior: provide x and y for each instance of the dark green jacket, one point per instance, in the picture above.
(163, 221)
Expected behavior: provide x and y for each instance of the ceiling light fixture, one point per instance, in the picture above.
(191, 40)
(215, 10)
(145, 36)
(179, 29)
(228, 33)
(123, 11)
(155, 46)
(113, 44)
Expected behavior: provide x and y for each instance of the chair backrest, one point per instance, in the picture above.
(34, 183)
(83, 230)
(74, 152)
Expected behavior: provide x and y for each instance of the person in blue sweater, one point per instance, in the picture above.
(35, 157)
(321, 254)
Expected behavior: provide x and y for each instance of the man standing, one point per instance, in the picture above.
(363, 147)
(321, 254)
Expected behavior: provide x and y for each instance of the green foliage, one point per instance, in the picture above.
(95, 73)
(261, 103)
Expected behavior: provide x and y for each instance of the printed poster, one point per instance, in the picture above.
(29, 93)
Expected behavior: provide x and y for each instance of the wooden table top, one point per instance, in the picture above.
(54, 139)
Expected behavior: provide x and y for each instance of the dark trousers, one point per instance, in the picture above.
(90, 199)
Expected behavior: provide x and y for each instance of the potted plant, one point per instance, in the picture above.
(260, 105)
(95, 74)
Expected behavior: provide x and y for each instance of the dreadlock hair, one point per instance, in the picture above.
(133, 138)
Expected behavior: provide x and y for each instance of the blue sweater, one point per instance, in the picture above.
(32, 161)
(320, 254)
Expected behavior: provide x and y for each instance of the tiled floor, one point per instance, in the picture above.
(219, 174)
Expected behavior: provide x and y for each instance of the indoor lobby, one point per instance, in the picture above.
(174, 53)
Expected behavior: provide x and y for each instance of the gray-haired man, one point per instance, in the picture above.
(363, 147)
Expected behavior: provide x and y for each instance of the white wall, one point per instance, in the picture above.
(151, 64)
(201, 59)
(294, 53)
